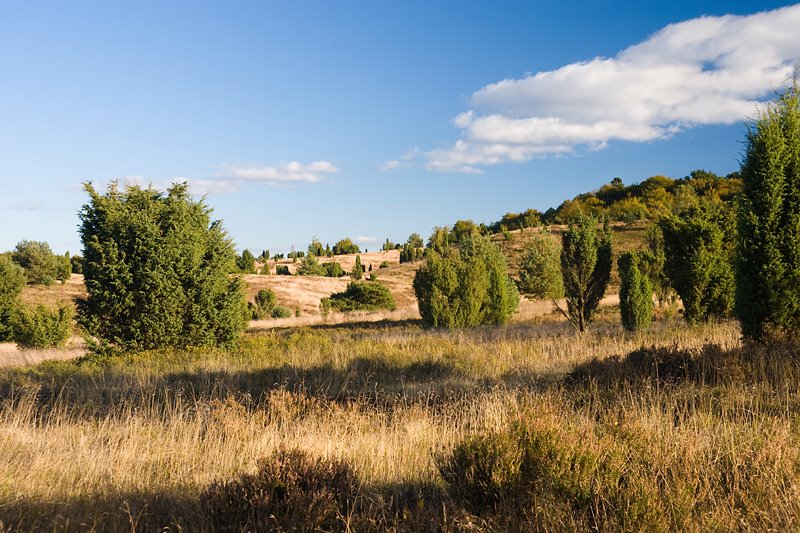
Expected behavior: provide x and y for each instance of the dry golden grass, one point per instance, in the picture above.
(98, 445)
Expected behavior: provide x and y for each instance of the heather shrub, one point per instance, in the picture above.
(40, 327)
(290, 491)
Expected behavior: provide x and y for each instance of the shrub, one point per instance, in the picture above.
(76, 264)
(291, 491)
(262, 305)
(63, 268)
(358, 268)
(585, 269)
(297, 312)
(246, 263)
(41, 266)
(41, 327)
(384, 264)
(310, 267)
(698, 264)
(280, 311)
(156, 271)
(768, 264)
(12, 279)
(540, 270)
(345, 246)
(410, 253)
(282, 270)
(333, 269)
(363, 297)
(635, 292)
(415, 241)
(315, 248)
(325, 307)
(466, 286)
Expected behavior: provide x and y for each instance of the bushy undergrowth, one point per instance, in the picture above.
(291, 491)
(40, 327)
(361, 297)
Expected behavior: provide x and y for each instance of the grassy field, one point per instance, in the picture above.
(676, 429)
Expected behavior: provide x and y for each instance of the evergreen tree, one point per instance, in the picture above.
(246, 263)
(315, 248)
(41, 266)
(415, 241)
(768, 253)
(358, 268)
(310, 267)
(540, 270)
(698, 263)
(635, 292)
(156, 271)
(465, 286)
(12, 279)
(585, 269)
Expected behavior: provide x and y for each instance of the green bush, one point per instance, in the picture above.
(325, 307)
(384, 264)
(12, 279)
(333, 269)
(156, 271)
(363, 297)
(41, 266)
(699, 263)
(465, 286)
(358, 268)
(262, 304)
(310, 267)
(63, 268)
(41, 327)
(291, 491)
(246, 263)
(76, 264)
(585, 269)
(345, 246)
(540, 269)
(635, 292)
(282, 270)
(280, 311)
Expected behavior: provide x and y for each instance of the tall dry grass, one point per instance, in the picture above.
(133, 442)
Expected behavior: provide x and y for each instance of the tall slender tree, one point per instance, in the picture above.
(585, 268)
(768, 251)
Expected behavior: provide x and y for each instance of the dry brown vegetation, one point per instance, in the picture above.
(684, 429)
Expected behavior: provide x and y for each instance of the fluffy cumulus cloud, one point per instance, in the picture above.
(709, 70)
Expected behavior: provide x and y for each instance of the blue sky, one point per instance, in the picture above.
(370, 119)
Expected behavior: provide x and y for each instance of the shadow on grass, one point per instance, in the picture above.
(776, 364)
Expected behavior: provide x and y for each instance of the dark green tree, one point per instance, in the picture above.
(361, 297)
(246, 263)
(333, 269)
(41, 266)
(540, 270)
(635, 292)
(585, 269)
(465, 286)
(699, 262)
(76, 264)
(310, 267)
(12, 279)
(768, 251)
(63, 268)
(156, 271)
(358, 268)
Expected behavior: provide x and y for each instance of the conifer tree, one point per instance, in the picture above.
(358, 268)
(585, 268)
(635, 292)
(768, 251)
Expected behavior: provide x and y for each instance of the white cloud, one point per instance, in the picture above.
(366, 240)
(233, 177)
(27, 206)
(709, 70)
(389, 165)
(287, 172)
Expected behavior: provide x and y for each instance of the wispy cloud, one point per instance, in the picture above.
(233, 177)
(709, 70)
(366, 240)
(27, 206)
